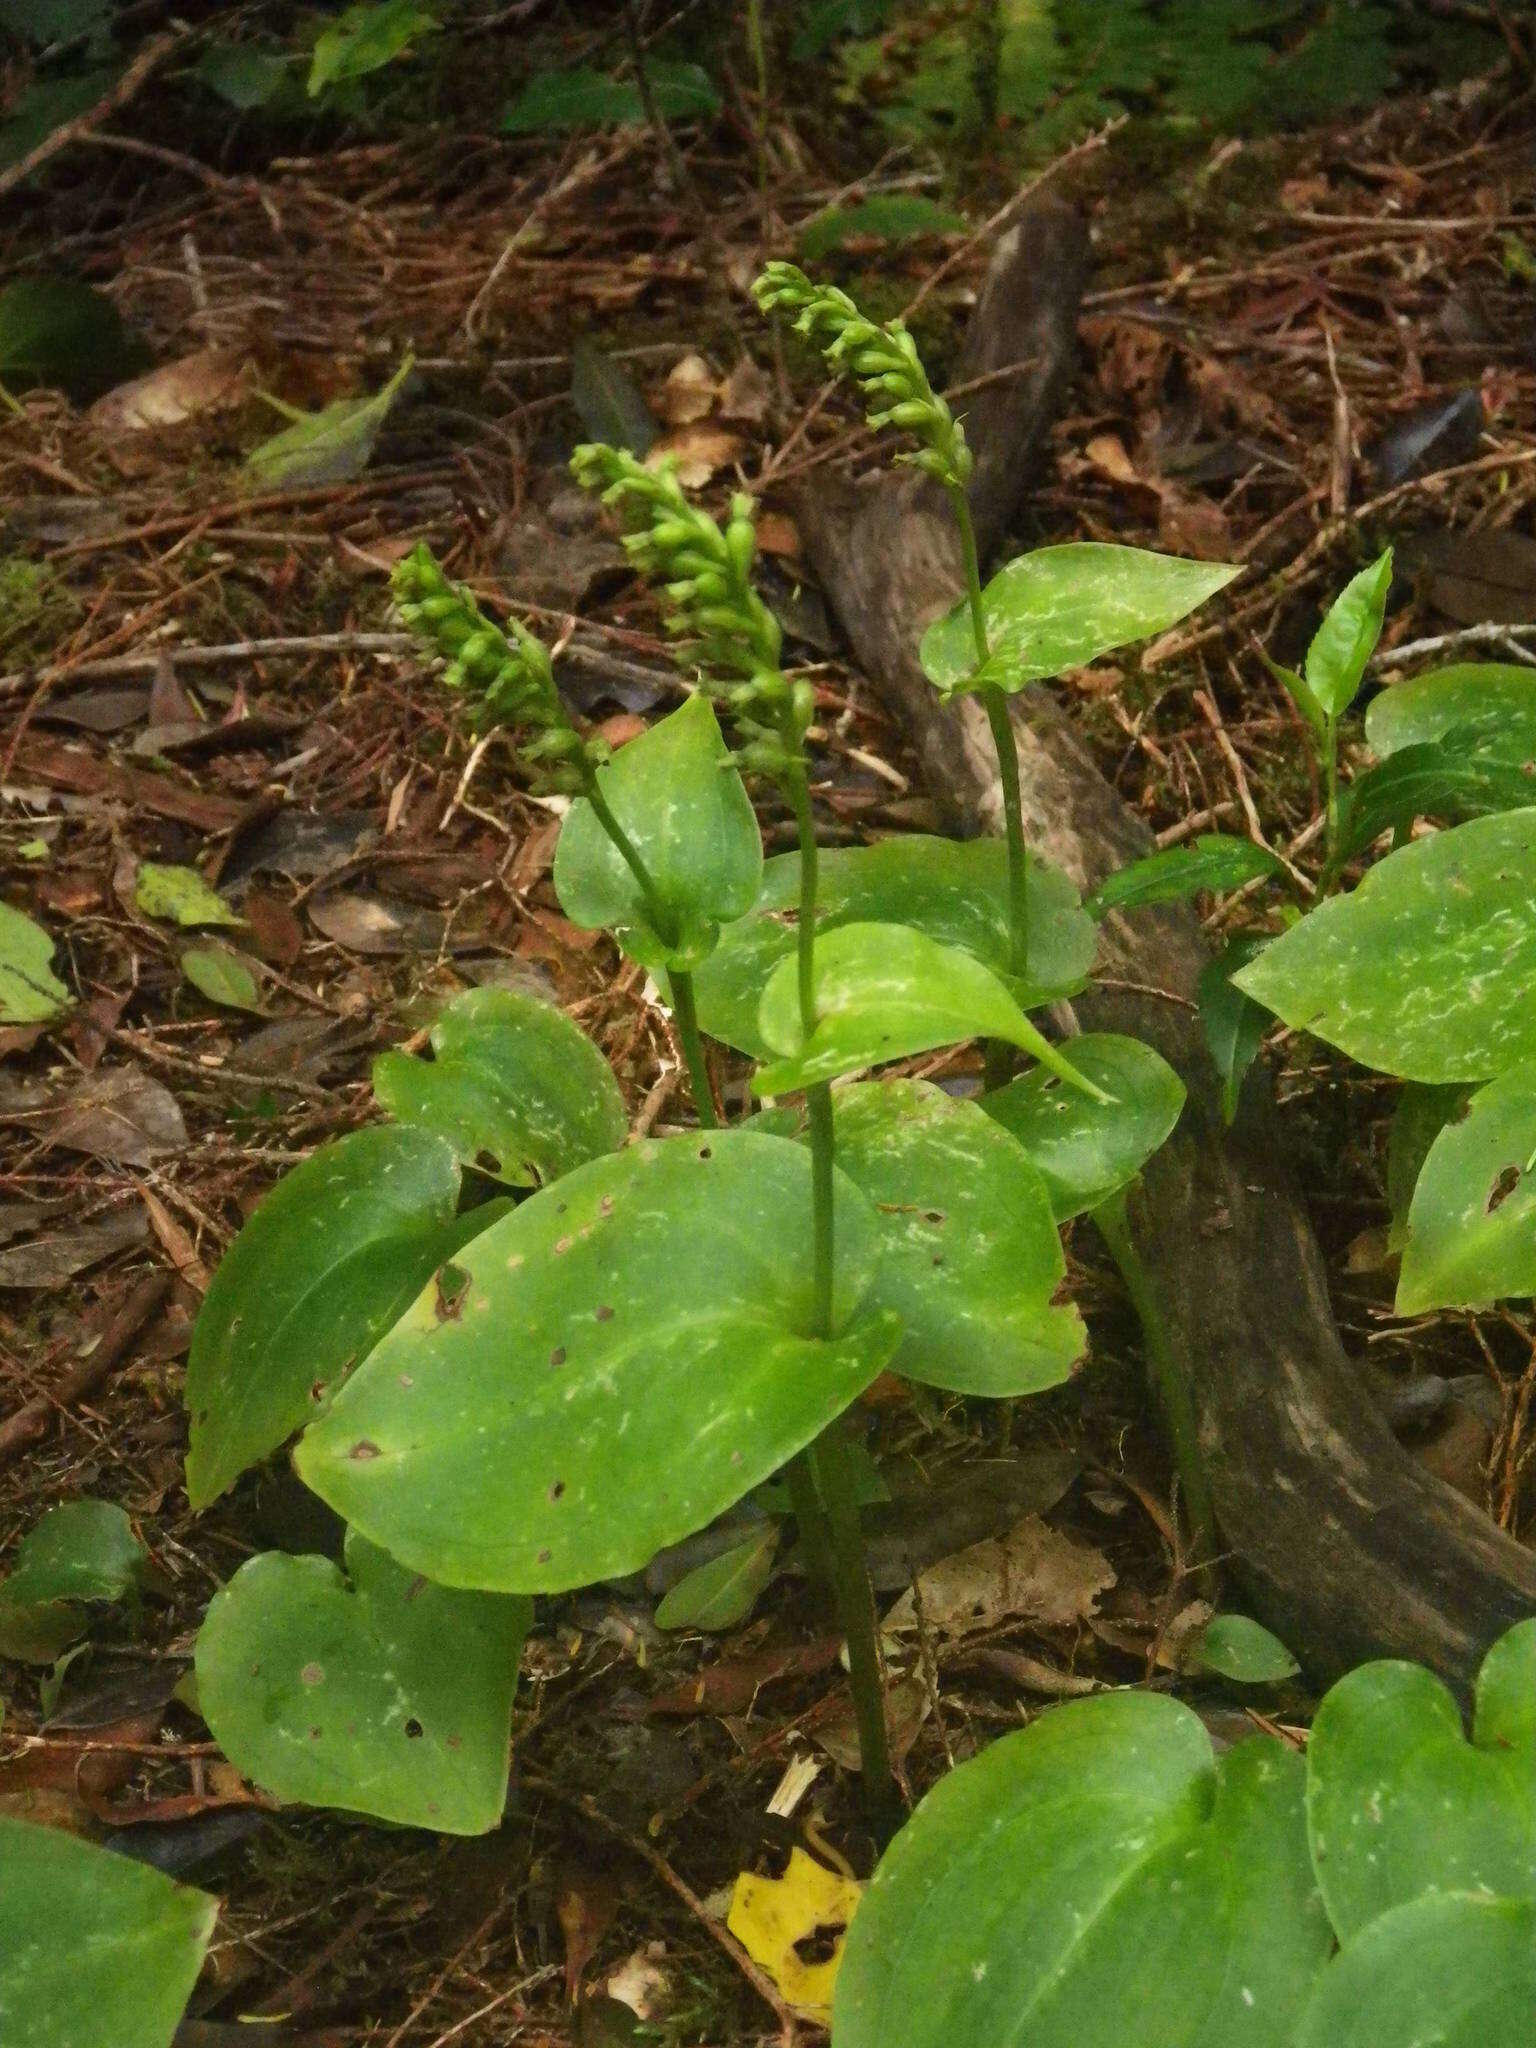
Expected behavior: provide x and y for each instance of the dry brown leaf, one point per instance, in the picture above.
(1034, 1574)
(777, 534)
(119, 1114)
(1187, 525)
(690, 393)
(699, 452)
(746, 394)
(211, 379)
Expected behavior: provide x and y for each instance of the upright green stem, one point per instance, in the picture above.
(686, 1017)
(1331, 786)
(1168, 1383)
(856, 1608)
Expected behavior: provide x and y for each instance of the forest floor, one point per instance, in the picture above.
(1293, 351)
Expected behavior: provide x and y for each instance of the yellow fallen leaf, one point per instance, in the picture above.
(769, 1915)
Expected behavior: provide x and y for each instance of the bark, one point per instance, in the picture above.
(1343, 1545)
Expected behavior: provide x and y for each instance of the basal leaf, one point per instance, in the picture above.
(1495, 701)
(1086, 1151)
(887, 217)
(1422, 1113)
(1472, 1223)
(1211, 861)
(722, 1592)
(371, 1691)
(608, 401)
(1344, 643)
(553, 102)
(30, 992)
(615, 1363)
(1456, 1969)
(1062, 607)
(57, 332)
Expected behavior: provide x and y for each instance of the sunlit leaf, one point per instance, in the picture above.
(780, 1920)
(30, 992)
(365, 39)
(179, 895)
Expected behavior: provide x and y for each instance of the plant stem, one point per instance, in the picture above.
(1331, 785)
(1178, 1410)
(685, 1016)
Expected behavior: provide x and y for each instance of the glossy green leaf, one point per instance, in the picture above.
(1425, 970)
(1400, 1804)
(1086, 1151)
(1455, 1970)
(1422, 1113)
(1452, 777)
(1094, 1878)
(955, 891)
(1494, 700)
(1345, 641)
(886, 217)
(554, 102)
(1062, 607)
(677, 795)
(82, 1551)
(616, 1363)
(721, 1593)
(333, 1255)
(884, 991)
(222, 976)
(327, 447)
(179, 895)
(372, 1691)
(1233, 1023)
(30, 992)
(1471, 1237)
(515, 1087)
(1237, 1647)
(97, 1950)
(57, 332)
(365, 39)
(1212, 861)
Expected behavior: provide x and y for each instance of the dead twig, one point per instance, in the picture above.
(133, 79)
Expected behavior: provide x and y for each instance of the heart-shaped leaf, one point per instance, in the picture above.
(1086, 1151)
(1426, 969)
(617, 1362)
(81, 1551)
(30, 992)
(723, 1591)
(1234, 1024)
(331, 1257)
(387, 1696)
(952, 890)
(95, 1948)
(1399, 1804)
(677, 795)
(1453, 777)
(513, 1086)
(1472, 1224)
(884, 991)
(1094, 1878)
(1456, 1970)
(1493, 701)
(1063, 607)
(1344, 643)
(1212, 861)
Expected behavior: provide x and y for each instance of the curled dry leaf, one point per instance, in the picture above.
(209, 380)
(1033, 1574)
(120, 1114)
(691, 392)
(699, 452)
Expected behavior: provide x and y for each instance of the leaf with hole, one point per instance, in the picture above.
(1456, 1970)
(722, 1592)
(327, 447)
(1453, 777)
(1062, 607)
(677, 795)
(332, 1256)
(1235, 1646)
(30, 992)
(1212, 861)
(1493, 701)
(222, 976)
(1343, 644)
(955, 891)
(619, 1360)
(365, 39)
(1425, 970)
(1471, 1237)
(370, 1690)
(1086, 1151)
(1096, 1877)
(179, 896)
(95, 1947)
(882, 992)
(80, 1552)
(513, 1086)
(1400, 1804)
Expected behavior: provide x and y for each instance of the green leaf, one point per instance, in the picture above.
(244, 75)
(179, 895)
(1093, 1878)
(222, 976)
(1398, 1804)
(1063, 607)
(329, 1260)
(676, 793)
(1425, 970)
(1301, 695)
(95, 1948)
(30, 992)
(1086, 1151)
(515, 1087)
(1472, 1224)
(888, 217)
(62, 334)
(82, 1551)
(1494, 700)
(723, 1592)
(1211, 861)
(560, 101)
(366, 39)
(1422, 1113)
(1453, 777)
(371, 1691)
(955, 891)
(1233, 1023)
(327, 447)
(1233, 1646)
(1344, 643)
(1457, 1970)
(608, 402)
(661, 1368)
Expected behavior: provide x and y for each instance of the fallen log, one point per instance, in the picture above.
(1342, 1544)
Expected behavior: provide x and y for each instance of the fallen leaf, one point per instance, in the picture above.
(119, 1114)
(746, 394)
(222, 976)
(731, 1686)
(908, 1703)
(30, 992)
(690, 392)
(367, 924)
(777, 534)
(697, 452)
(57, 1253)
(1033, 1574)
(275, 930)
(179, 895)
(206, 381)
(327, 447)
(586, 1905)
(772, 1916)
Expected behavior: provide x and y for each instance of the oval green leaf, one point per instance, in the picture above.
(722, 1592)
(1456, 1970)
(1086, 1151)
(513, 1086)
(1213, 861)
(332, 1256)
(1063, 607)
(30, 992)
(94, 1947)
(677, 794)
(883, 992)
(1345, 641)
(1471, 1237)
(952, 890)
(1426, 969)
(372, 1691)
(81, 1551)
(221, 976)
(618, 1362)
(1496, 701)
(1236, 1647)
(1094, 1878)
(1399, 1804)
